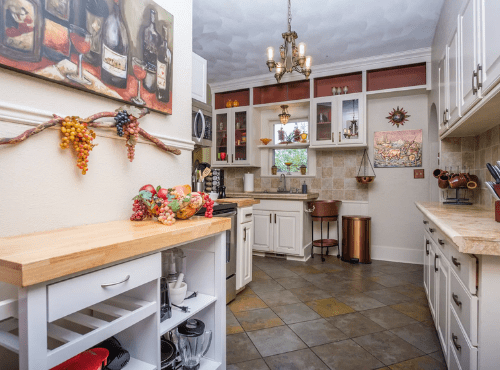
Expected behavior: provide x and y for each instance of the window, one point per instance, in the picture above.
(290, 133)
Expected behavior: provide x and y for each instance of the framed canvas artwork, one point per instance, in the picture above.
(122, 49)
(398, 148)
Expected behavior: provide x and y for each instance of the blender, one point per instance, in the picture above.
(190, 343)
(174, 262)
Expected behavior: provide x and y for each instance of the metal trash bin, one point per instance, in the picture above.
(356, 239)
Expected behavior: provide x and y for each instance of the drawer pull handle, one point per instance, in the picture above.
(435, 267)
(120, 282)
(455, 261)
(441, 241)
(426, 222)
(248, 214)
(426, 247)
(457, 346)
(431, 230)
(244, 234)
(455, 299)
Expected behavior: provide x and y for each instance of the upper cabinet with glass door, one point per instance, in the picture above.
(338, 112)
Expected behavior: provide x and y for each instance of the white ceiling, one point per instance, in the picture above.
(233, 35)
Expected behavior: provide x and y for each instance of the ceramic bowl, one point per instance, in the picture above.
(266, 141)
(177, 295)
(365, 179)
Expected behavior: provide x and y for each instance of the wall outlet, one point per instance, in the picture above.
(418, 174)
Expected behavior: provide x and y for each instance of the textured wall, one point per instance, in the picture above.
(473, 153)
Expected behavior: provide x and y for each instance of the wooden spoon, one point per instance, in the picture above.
(205, 173)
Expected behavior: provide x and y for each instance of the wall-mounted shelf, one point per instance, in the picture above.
(283, 92)
(396, 77)
(398, 91)
(290, 103)
(285, 146)
(353, 81)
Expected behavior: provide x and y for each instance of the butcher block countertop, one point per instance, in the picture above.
(241, 202)
(472, 229)
(35, 258)
(278, 196)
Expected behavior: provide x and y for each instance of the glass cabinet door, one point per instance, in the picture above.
(221, 137)
(240, 137)
(324, 126)
(351, 119)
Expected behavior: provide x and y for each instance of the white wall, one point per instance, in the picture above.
(396, 222)
(40, 187)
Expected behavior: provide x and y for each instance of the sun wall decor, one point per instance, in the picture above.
(398, 116)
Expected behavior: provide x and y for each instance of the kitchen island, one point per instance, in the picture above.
(461, 280)
(106, 279)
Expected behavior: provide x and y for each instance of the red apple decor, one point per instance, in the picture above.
(170, 204)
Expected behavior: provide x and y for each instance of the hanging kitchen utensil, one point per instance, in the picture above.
(365, 178)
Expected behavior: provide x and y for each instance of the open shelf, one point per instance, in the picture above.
(195, 305)
(285, 146)
(243, 97)
(284, 92)
(396, 77)
(353, 81)
(208, 364)
(135, 364)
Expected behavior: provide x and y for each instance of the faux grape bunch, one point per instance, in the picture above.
(170, 204)
(128, 125)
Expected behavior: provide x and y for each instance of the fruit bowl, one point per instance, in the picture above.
(266, 141)
(365, 179)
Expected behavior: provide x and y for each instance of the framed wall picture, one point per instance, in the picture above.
(397, 148)
(121, 49)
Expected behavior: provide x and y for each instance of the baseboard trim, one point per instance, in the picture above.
(393, 254)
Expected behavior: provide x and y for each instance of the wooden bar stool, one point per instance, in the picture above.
(324, 211)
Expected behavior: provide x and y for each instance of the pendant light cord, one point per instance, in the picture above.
(289, 16)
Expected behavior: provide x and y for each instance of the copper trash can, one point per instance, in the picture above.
(356, 239)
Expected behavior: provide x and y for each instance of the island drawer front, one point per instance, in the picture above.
(465, 267)
(69, 296)
(246, 215)
(466, 353)
(441, 241)
(465, 306)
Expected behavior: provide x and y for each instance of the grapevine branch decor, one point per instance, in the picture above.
(75, 131)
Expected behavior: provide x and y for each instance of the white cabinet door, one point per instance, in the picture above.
(199, 80)
(443, 92)
(263, 231)
(244, 255)
(468, 30)
(443, 300)
(323, 123)
(453, 80)
(286, 238)
(426, 264)
(490, 45)
(351, 108)
(432, 279)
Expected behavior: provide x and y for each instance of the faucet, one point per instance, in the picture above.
(282, 178)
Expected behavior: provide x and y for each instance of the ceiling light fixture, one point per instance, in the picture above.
(284, 116)
(292, 58)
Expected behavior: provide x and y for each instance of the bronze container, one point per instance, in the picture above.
(356, 239)
(324, 208)
(443, 182)
(437, 173)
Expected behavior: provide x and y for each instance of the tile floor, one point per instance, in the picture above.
(332, 315)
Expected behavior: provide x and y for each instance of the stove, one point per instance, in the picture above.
(219, 209)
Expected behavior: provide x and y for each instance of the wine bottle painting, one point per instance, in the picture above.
(122, 49)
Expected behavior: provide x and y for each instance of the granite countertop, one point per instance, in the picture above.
(278, 196)
(241, 202)
(35, 258)
(473, 229)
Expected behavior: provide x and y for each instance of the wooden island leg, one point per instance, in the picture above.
(33, 327)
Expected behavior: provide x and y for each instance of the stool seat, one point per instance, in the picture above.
(325, 243)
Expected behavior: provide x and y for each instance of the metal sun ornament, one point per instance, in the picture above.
(398, 116)
(292, 58)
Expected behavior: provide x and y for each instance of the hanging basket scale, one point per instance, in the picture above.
(365, 179)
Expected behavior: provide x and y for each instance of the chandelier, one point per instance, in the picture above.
(284, 115)
(292, 58)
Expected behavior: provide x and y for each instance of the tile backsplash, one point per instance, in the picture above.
(335, 177)
(471, 154)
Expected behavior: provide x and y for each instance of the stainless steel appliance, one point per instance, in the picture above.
(228, 210)
(202, 124)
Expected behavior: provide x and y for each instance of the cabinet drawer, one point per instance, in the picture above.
(245, 215)
(441, 241)
(465, 306)
(74, 294)
(460, 345)
(465, 268)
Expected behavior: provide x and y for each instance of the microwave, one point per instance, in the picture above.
(201, 127)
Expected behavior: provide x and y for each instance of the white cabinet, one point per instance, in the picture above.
(232, 137)
(263, 231)
(199, 81)
(490, 47)
(277, 232)
(426, 264)
(244, 246)
(453, 106)
(432, 279)
(443, 300)
(469, 55)
(336, 119)
(443, 112)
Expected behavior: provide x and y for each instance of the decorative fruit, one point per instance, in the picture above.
(236, 103)
(81, 137)
(162, 192)
(149, 188)
(229, 103)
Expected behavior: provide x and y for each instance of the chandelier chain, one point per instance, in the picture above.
(289, 15)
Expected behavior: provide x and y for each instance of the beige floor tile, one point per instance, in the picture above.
(414, 309)
(246, 303)
(258, 319)
(419, 363)
(329, 307)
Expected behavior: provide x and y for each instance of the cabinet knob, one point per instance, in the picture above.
(474, 88)
(340, 137)
(248, 214)
(431, 230)
(426, 222)
(435, 267)
(244, 234)
(455, 343)
(333, 137)
(479, 80)
(441, 241)
(455, 299)
(455, 261)
(426, 246)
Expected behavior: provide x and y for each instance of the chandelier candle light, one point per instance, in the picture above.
(353, 127)
(292, 57)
